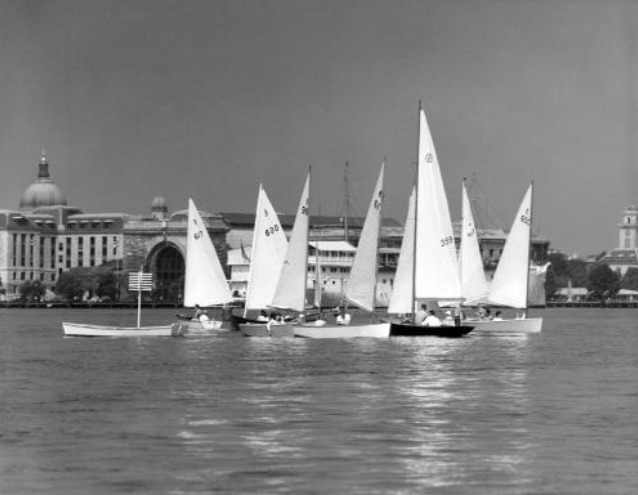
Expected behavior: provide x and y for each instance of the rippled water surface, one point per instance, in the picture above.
(555, 413)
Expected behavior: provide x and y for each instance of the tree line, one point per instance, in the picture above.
(598, 278)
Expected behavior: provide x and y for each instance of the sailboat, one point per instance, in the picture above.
(510, 284)
(267, 263)
(361, 287)
(205, 283)
(428, 265)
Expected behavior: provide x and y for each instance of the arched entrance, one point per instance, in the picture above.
(169, 274)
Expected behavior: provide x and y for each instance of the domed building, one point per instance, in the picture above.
(43, 192)
(47, 237)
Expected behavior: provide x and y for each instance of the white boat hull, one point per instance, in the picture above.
(527, 325)
(261, 330)
(373, 330)
(85, 330)
(197, 328)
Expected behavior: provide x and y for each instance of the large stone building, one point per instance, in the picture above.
(46, 236)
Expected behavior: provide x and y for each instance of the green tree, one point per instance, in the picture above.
(106, 282)
(32, 291)
(578, 272)
(557, 273)
(72, 284)
(630, 280)
(603, 282)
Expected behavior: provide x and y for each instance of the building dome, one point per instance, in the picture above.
(43, 192)
(159, 203)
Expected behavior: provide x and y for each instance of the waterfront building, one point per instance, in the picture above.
(46, 237)
(625, 256)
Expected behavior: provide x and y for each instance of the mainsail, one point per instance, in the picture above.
(402, 300)
(204, 282)
(361, 286)
(473, 283)
(291, 288)
(436, 265)
(509, 286)
(268, 252)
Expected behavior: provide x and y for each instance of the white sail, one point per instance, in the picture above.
(204, 282)
(436, 264)
(473, 283)
(268, 252)
(536, 285)
(361, 286)
(291, 288)
(509, 286)
(402, 300)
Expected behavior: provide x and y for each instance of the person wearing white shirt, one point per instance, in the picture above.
(432, 320)
(343, 318)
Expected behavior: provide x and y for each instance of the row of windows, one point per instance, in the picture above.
(31, 276)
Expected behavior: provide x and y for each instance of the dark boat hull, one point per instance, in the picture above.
(413, 330)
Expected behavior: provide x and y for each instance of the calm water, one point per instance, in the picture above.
(555, 413)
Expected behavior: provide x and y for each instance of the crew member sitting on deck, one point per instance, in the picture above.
(421, 315)
(204, 316)
(263, 316)
(448, 321)
(432, 320)
(198, 312)
(343, 318)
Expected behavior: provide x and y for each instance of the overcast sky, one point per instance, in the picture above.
(208, 98)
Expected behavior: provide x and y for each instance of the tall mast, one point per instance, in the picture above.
(308, 233)
(529, 246)
(347, 201)
(416, 205)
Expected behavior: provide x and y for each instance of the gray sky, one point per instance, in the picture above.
(208, 98)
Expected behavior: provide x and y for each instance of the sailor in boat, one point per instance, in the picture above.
(204, 316)
(343, 318)
(498, 316)
(263, 316)
(320, 321)
(275, 319)
(198, 312)
(421, 315)
(448, 320)
(432, 320)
